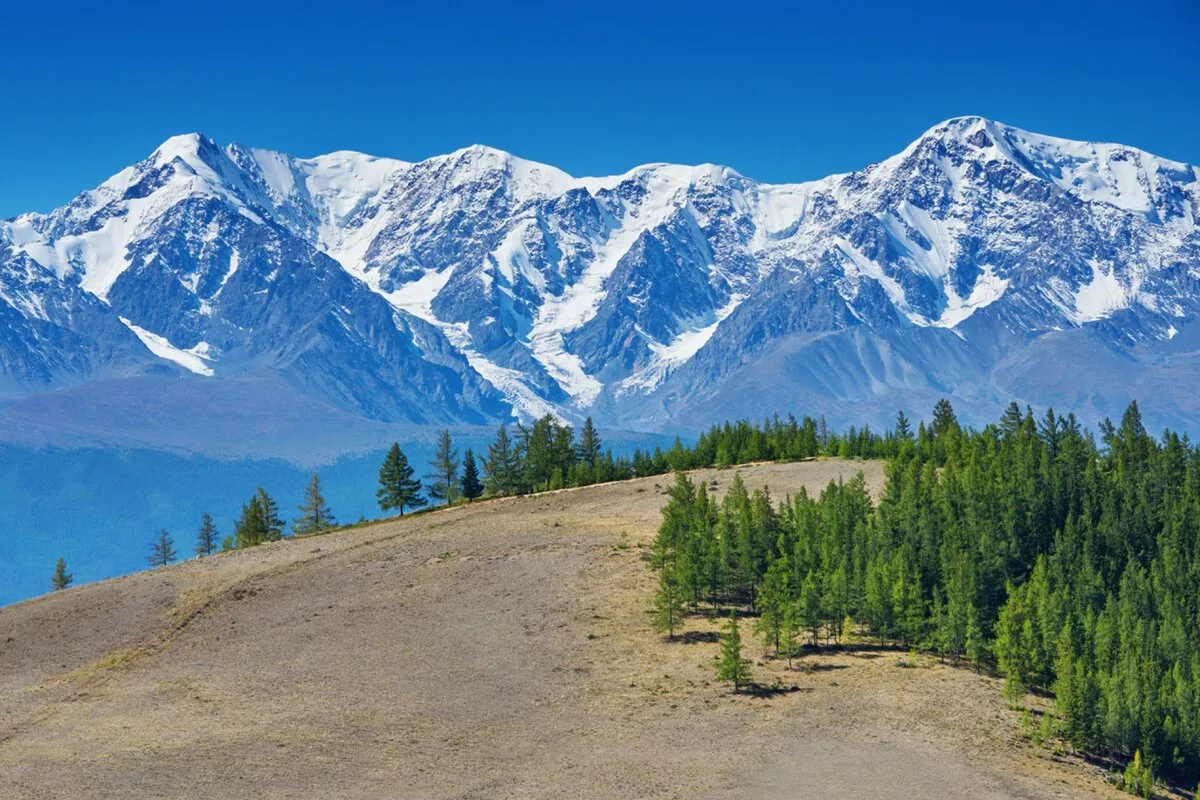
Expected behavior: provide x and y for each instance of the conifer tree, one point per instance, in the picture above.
(469, 484)
(397, 487)
(502, 468)
(61, 579)
(273, 526)
(162, 551)
(206, 536)
(731, 666)
(443, 484)
(589, 449)
(315, 515)
(667, 610)
(248, 530)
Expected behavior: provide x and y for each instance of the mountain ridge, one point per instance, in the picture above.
(477, 285)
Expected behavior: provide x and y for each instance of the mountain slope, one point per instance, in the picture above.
(494, 650)
(475, 285)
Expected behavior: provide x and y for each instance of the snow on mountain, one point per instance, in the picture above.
(477, 284)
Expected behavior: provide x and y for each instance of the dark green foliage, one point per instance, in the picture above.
(315, 515)
(443, 475)
(667, 610)
(502, 467)
(397, 487)
(162, 551)
(469, 485)
(1072, 565)
(259, 521)
(206, 536)
(273, 526)
(61, 579)
(731, 666)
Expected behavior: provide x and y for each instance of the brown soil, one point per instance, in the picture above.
(496, 650)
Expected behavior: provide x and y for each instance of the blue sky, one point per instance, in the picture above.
(779, 92)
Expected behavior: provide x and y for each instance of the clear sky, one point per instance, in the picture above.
(778, 91)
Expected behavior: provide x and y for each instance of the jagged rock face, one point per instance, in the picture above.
(472, 286)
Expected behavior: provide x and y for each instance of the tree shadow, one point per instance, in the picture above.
(699, 637)
(802, 666)
(766, 692)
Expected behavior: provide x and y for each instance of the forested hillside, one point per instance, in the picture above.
(1071, 564)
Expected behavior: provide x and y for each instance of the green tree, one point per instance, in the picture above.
(273, 526)
(206, 536)
(470, 485)
(162, 551)
(250, 529)
(315, 515)
(61, 579)
(731, 666)
(443, 484)
(667, 610)
(502, 467)
(397, 487)
(589, 450)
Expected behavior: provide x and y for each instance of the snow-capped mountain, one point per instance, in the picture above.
(982, 261)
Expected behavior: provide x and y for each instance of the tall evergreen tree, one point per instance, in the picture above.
(589, 446)
(250, 528)
(61, 579)
(273, 526)
(469, 484)
(443, 483)
(206, 536)
(315, 515)
(502, 467)
(397, 487)
(162, 551)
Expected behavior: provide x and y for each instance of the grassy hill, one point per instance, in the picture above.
(495, 650)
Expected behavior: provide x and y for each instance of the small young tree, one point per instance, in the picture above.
(732, 667)
(397, 487)
(667, 610)
(470, 484)
(162, 551)
(444, 469)
(315, 515)
(61, 579)
(206, 537)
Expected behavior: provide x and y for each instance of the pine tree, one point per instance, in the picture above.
(470, 485)
(273, 526)
(589, 449)
(315, 515)
(206, 537)
(397, 487)
(732, 667)
(444, 475)
(162, 551)
(903, 429)
(61, 579)
(788, 630)
(667, 610)
(502, 467)
(251, 527)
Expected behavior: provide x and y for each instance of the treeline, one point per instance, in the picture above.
(1070, 564)
(544, 455)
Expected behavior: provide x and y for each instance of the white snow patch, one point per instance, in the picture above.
(193, 360)
(1099, 298)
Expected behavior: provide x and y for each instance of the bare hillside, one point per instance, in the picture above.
(491, 651)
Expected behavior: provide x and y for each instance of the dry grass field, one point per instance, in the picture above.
(498, 650)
